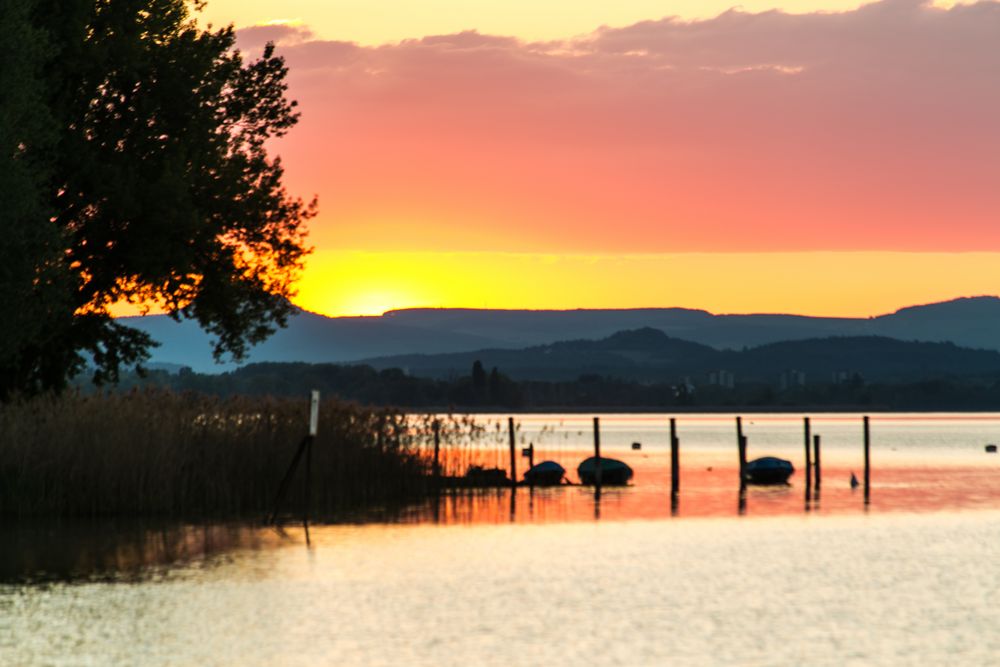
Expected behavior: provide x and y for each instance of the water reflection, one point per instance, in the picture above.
(847, 590)
(490, 576)
(87, 550)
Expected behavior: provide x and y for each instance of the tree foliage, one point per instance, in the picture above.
(149, 176)
(35, 286)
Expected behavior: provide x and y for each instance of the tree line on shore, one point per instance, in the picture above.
(482, 390)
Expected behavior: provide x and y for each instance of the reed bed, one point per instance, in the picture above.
(159, 453)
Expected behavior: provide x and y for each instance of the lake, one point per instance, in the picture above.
(558, 576)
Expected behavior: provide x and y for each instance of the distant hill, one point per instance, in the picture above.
(641, 354)
(649, 355)
(969, 322)
(309, 338)
(638, 370)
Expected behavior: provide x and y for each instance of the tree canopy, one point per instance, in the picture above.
(135, 169)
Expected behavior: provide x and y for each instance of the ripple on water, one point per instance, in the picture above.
(855, 589)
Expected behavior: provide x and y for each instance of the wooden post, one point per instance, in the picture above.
(305, 514)
(531, 463)
(304, 449)
(743, 454)
(597, 453)
(816, 461)
(867, 461)
(513, 452)
(314, 413)
(741, 446)
(437, 455)
(675, 471)
(313, 430)
(513, 505)
(808, 441)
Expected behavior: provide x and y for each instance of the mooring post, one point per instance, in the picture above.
(437, 455)
(597, 453)
(741, 446)
(816, 462)
(743, 455)
(529, 452)
(313, 430)
(513, 450)
(305, 513)
(867, 460)
(808, 443)
(314, 414)
(304, 449)
(675, 470)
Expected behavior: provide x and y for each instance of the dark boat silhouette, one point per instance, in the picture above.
(546, 473)
(613, 471)
(768, 470)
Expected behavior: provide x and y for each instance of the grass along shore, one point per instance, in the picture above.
(184, 455)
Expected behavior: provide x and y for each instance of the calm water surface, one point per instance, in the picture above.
(554, 577)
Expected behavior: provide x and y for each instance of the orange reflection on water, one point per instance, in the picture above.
(709, 487)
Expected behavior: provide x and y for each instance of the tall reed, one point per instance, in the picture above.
(158, 453)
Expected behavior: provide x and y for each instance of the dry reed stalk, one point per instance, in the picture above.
(159, 453)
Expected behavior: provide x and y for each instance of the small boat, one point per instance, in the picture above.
(991, 449)
(613, 471)
(768, 470)
(546, 473)
(854, 481)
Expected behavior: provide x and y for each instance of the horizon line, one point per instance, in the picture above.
(392, 311)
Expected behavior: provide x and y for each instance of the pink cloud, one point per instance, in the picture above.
(255, 37)
(869, 129)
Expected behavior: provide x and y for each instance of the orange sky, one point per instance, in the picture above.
(839, 162)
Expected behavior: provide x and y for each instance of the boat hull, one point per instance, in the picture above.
(613, 472)
(547, 473)
(768, 471)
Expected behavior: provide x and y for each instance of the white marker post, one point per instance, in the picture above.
(314, 414)
(305, 449)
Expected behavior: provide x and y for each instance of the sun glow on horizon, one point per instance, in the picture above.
(817, 284)
(833, 284)
(362, 284)
(368, 304)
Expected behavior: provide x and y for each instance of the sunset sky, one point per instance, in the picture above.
(812, 157)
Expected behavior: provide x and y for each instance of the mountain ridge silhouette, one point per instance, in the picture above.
(972, 322)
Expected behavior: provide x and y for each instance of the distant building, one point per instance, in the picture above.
(683, 390)
(847, 377)
(791, 378)
(722, 378)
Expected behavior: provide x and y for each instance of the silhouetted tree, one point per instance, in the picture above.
(34, 281)
(157, 188)
(496, 389)
(478, 378)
